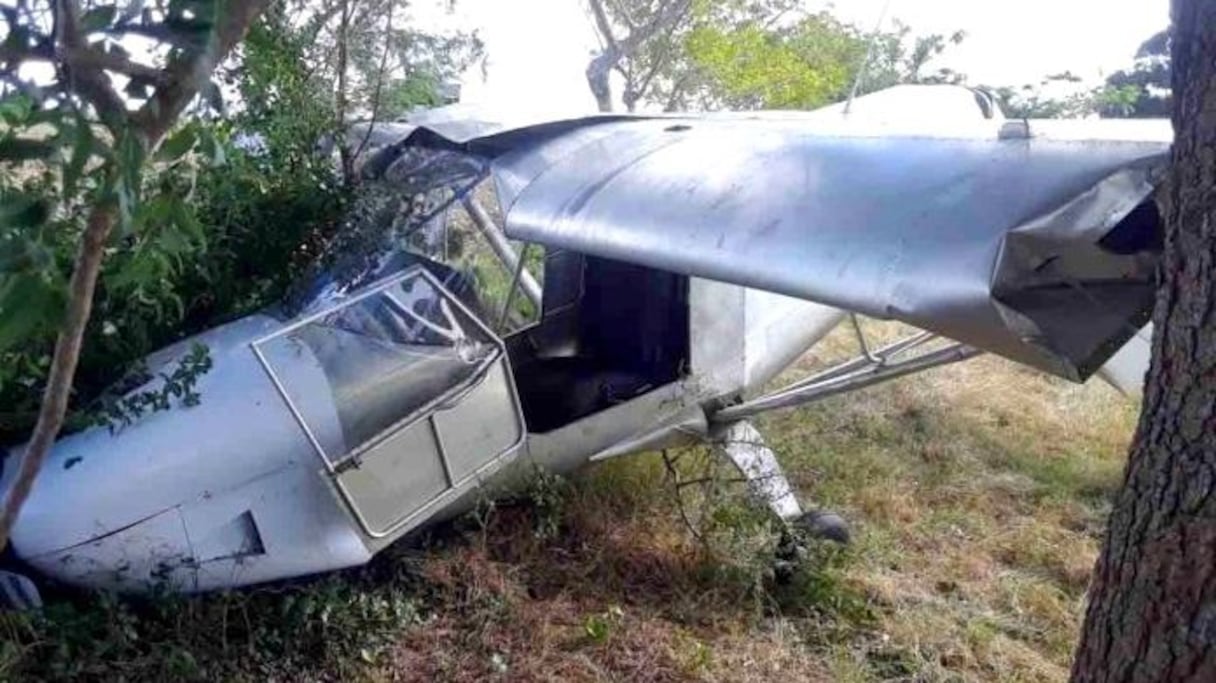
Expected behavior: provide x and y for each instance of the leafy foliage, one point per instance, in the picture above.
(45, 201)
(1141, 91)
(233, 208)
(210, 229)
(386, 66)
(807, 66)
(1145, 87)
(749, 54)
(809, 63)
(179, 384)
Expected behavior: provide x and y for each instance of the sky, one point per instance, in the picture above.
(537, 49)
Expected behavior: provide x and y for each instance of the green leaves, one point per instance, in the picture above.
(98, 18)
(29, 303)
(803, 66)
(173, 224)
(31, 288)
(180, 384)
(212, 148)
(19, 255)
(124, 178)
(20, 211)
(71, 145)
(15, 109)
(196, 138)
(82, 148)
(177, 145)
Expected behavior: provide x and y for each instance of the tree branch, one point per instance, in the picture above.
(622, 13)
(341, 96)
(185, 76)
(676, 94)
(84, 79)
(601, 66)
(602, 25)
(669, 16)
(95, 88)
(635, 91)
(42, 51)
(367, 135)
(162, 34)
(26, 88)
(67, 22)
(96, 60)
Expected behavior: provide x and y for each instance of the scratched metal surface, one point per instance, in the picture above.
(1025, 240)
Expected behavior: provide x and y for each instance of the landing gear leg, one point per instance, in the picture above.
(744, 446)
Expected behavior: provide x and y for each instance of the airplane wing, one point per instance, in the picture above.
(1033, 240)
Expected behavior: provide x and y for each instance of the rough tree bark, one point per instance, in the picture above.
(1152, 611)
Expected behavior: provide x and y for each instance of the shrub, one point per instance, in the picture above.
(261, 199)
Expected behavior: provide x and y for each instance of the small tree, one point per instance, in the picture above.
(91, 91)
(1145, 85)
(371, 61)
(748, 54)
(638, 41)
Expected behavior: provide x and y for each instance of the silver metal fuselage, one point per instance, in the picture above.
(231, 492)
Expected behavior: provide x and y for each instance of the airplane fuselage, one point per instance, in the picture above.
(233, 491)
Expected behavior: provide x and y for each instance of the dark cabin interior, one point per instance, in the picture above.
(609, 331)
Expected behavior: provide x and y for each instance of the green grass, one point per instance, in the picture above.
(977, 493)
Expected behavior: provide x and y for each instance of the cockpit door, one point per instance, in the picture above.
(404, 393)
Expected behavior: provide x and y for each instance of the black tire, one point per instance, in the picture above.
(18, 593)
(825, 525)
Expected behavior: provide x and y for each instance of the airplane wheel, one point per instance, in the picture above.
(823, 524)
(18, 593)
(791, 550)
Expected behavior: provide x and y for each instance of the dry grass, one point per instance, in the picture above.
(620, 592)
(977, 492)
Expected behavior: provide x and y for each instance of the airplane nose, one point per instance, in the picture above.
(127, 559)
(63, 532)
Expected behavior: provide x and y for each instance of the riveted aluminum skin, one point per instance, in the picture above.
(1033, 240)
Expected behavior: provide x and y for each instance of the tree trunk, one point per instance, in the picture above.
(1152, 611)
(597, 78)
(63, 364)
(183, 77)
(667, 15)
(342, 96)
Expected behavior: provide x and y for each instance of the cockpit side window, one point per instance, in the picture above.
(468, 237)
(440, 205)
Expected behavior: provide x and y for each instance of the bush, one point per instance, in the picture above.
(261, 200)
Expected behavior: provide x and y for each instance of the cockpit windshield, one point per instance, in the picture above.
(385, 354)
(440, 208)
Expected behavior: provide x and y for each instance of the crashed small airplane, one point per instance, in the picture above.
(664, 270)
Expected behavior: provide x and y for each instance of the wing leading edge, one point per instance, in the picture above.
(1034, 241)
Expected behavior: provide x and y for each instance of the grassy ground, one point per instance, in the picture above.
(977, 494)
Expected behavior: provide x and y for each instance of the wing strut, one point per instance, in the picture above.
(872, 367)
